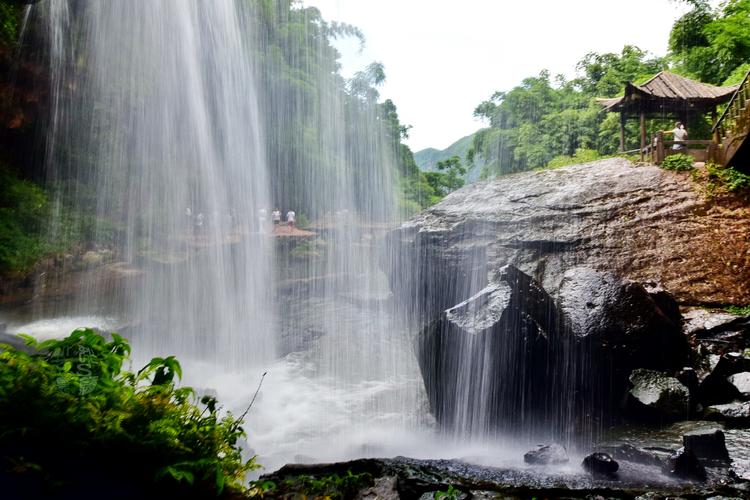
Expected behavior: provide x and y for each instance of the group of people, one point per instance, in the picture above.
(291, 218)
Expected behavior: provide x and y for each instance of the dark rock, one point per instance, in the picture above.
(497, 360)
(708, 445)
(14, 341)
(666, 302)
(735, 413)
(642, 223)
(385, 488)
(415, 478)
(656, 394)
(715, 387)
(741, 382)
(630, 453)
(623, 318)
(707, 323)
(685, 465)
(600, 465)
(547, 455)
(689, 378)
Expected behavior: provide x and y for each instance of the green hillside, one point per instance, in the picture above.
(427, 158)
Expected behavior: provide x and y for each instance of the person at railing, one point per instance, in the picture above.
(680, 134)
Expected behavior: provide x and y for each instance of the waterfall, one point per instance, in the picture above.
(178, 125)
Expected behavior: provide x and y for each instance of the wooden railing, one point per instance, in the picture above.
(700, 150)
(732, 128)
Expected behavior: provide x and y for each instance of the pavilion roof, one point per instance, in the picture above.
(666, 92)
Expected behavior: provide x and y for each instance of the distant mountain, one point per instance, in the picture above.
(427, 159)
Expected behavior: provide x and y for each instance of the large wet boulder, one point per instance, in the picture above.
(642, 223)
(734, 413)
(715, 386)
(496, 360)
(600, 465)
(622, 318)
(657, 395)
(685, 465)
(708, 445)
(551, 454)
(741, 382)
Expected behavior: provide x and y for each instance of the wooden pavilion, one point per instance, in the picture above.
(667, 95)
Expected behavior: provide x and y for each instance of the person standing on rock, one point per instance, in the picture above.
(290, 219)
(276, 217)
(680, 134)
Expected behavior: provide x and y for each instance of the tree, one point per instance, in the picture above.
(449, 178)
(709, 45)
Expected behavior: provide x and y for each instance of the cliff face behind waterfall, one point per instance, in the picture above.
(643, 223)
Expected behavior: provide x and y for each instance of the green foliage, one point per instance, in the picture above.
(580, 156)
(24, 208)
(301, 86)
(678, 162)
(736, 76)
(449, 176)
(450, 494)
(332, 486)
(10, 15)
(730, 178)
(543, 121)
(738, 310)
(71, 420)
(711, 44)
(25, 233)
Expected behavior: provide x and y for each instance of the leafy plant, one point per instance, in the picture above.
(733, 180)
(76, 420)
(678, 162)
(738, 310)
(450, 494)
(331, 486)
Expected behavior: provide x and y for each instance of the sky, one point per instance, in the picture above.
(443, 57)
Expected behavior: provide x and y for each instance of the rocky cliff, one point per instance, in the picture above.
(611, 251)
(639, 222)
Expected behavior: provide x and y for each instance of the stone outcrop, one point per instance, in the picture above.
(657, 395)
(600, 465)
(547, 455)
(612, 247)
(708, 445)
(641, 223)
(409, 478)
(496, 359)
(622, 318)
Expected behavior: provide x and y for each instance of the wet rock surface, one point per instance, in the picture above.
(547, 455)
(600, 465)
(502, 350)
(735, 413)
(641, 223)
(685, 465)
(741, 382)
(413, 479)
(658, 394)
(707, 445)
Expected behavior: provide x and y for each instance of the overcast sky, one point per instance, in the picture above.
(443, 57)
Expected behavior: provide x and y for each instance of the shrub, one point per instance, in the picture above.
(73, 423)
(732, 179)
(678, 162)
